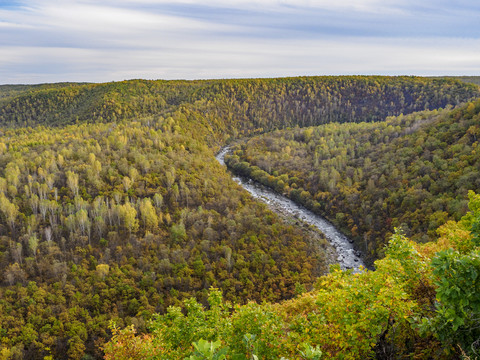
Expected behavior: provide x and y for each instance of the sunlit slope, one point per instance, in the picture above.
(421, 302)
(411, 172)
(238, 107)
(112, 205)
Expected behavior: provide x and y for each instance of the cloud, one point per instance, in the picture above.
(103, 40)
(249, 58)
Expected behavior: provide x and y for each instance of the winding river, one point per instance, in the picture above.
(347, 257)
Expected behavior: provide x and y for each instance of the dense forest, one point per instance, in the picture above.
(118, 221)
(10, 91)
(466, 79)
(421, 302)
(113, 207)
(410, 172)
(238, 107)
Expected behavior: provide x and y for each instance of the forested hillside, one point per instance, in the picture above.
(113, 207)
(466, 79)
(118, 221)
(410, 172)
(421, 302)
(11, 91)
(245, 106)
(239, 107)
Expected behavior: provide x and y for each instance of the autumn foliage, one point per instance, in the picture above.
(113, 208)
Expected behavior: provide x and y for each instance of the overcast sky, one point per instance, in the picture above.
(106, 40)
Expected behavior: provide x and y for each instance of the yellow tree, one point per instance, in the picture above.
(148, 214)
(10, 210)
(128, 214)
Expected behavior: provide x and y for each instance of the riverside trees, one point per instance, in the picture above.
(411, 172)
(421, 302)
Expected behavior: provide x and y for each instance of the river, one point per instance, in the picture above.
(347, 256)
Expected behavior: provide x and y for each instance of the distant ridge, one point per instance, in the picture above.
(466, 79)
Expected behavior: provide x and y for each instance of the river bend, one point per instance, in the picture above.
(347, 257)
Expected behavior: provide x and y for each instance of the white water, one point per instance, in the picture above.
(347, 256)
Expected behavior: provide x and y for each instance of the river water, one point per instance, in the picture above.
(347, 257)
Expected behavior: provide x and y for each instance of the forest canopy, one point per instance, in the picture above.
(411, 172)
(113, 207)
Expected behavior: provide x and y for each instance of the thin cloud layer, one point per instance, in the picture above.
(104, 40)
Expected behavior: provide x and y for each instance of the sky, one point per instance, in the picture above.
(111, 40)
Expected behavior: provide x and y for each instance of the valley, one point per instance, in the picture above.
(345, 255)
(116, 218)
